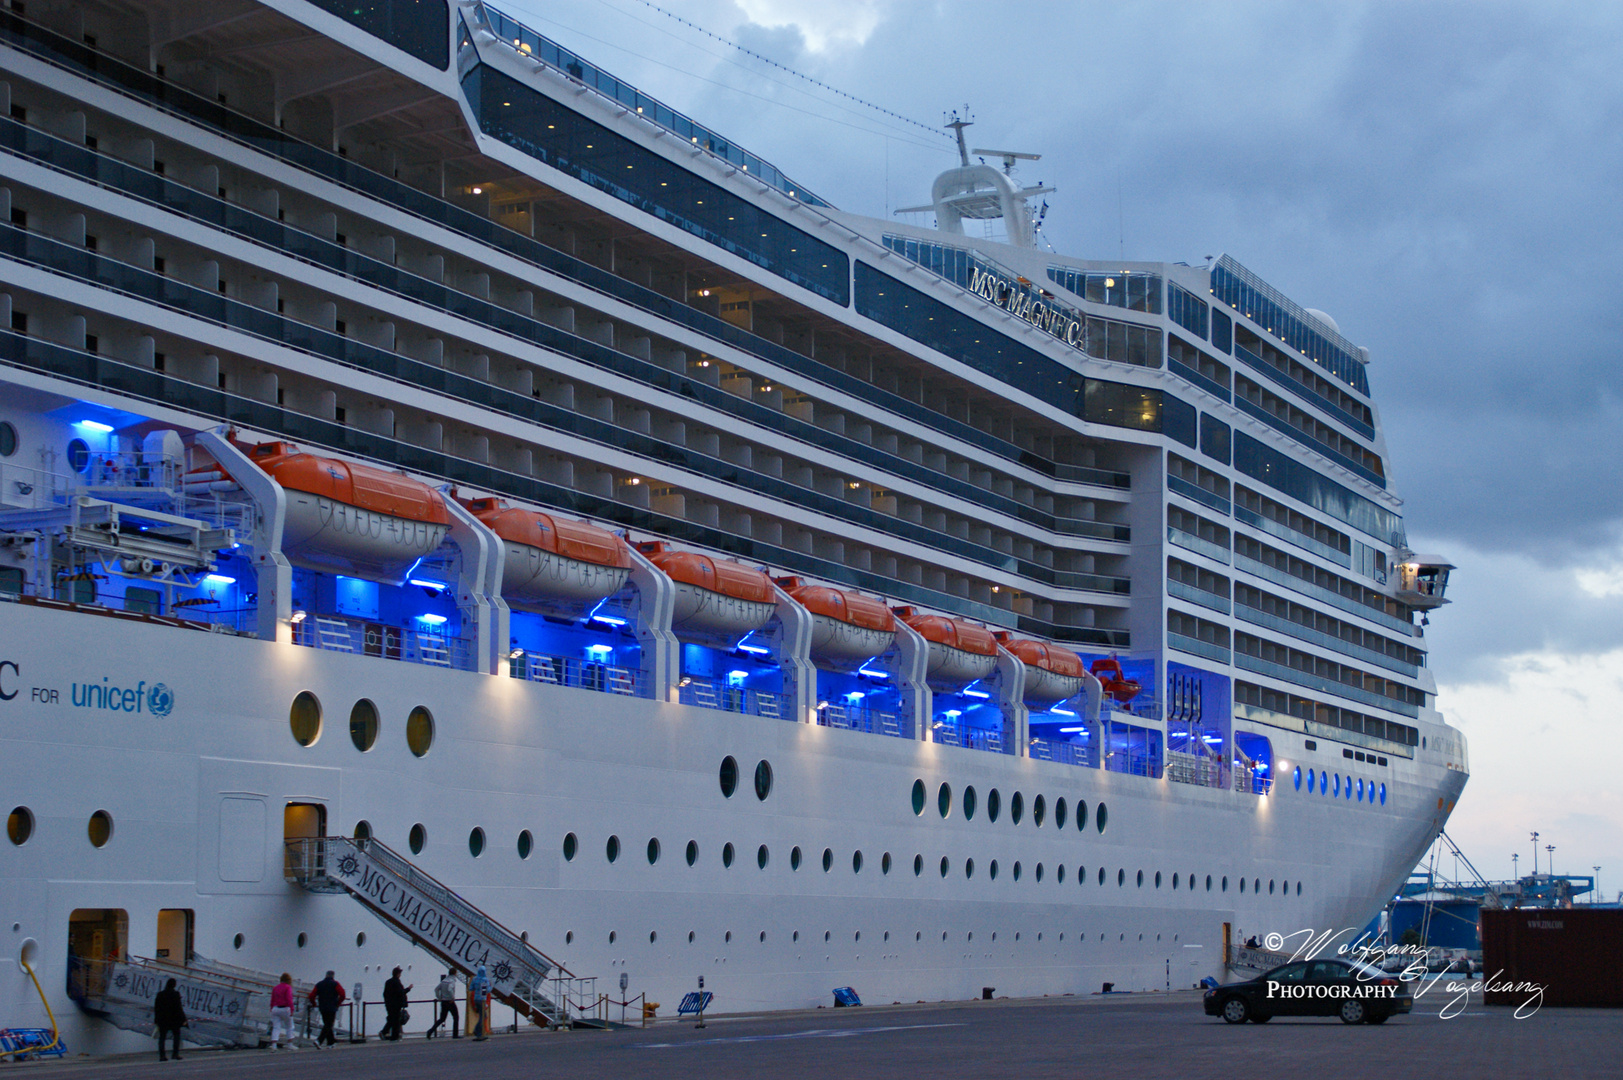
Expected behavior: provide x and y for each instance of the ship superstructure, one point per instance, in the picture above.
(713, 582)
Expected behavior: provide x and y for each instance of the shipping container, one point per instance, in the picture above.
(1575, 954)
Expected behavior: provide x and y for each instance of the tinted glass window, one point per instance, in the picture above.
(420, 28)
(586, 150)
(1214, 438)
(1299, 481)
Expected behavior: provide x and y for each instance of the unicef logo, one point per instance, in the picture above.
(160, 700)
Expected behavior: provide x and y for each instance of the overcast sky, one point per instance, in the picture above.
(1443, 179)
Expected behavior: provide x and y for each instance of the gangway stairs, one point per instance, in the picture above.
(225, 1005)
(432, 916)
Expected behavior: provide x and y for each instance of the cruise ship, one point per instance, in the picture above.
(457, 510)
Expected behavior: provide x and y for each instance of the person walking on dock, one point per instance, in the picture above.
(169, 1016)
(394, 1004)
(326, 996)
(281, 1002)
(479, 990)
(445, 997)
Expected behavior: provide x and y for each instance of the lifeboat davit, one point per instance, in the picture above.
(351, 518)
(960, 652)
(1053, 674)
(1115, 682)
(848, 628)
(551, 564)
(715, 598)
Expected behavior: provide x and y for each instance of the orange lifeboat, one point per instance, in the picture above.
(1053, 674)
(960, 652)
(848, 628)
(552, 564)
(352, 518)
(1115, 682)
(715, 598)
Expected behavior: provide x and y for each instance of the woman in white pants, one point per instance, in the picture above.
(282, 1014)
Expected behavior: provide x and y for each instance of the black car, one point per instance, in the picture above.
(1357, 993)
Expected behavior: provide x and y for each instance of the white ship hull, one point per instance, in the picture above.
(511, 756)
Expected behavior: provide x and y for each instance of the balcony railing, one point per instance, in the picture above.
(1193, 769)
(708, 694)
(955, 733)
(578, 674)
(1066, 753)
(335, 634)
(874, 722)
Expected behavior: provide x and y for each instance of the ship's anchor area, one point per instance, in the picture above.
(433, 917)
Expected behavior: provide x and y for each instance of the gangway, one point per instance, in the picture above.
(432, 916)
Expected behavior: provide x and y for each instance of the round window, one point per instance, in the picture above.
(918, 797)
(78, 455)
(571, 845)
(1310, 781)
(1296, 777)
(763, 780)
(417, 839)
(101, 828)
(1101, 817)
(945, 866)
(653, 851)
(304, 718)
(969, 868)
(476, 842)
(1016, 870)
(994, 804)
(526, 843)
(692, 853)
(969, 803)
(19, 825)
(1017, 808)
(828, 859)
(419, 730)
(1039, 878)
(856, 862)
(8, 439)
(1039, 811)
(794, 858)
(1383, 794)
(611, 850)
(1059, 813)
(991, 869)
(729, 777)
(727, 855)
(943, 799)
(762, 857)
(884, 863)
(1081, 816)
(918, 865)
(363, 725)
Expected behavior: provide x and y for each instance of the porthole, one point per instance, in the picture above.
(1158, 879)
(1017, 808)
(692, 853)
(1081, 875)
(1208, 883)
(363, 830)
(8, 439)
(100, 828)
(884, 863)
(1324, 782)
(1284, 887)
(856, 862)
(1016, 870)
(1059, 878)
(526, 842)
(360, 939)
(19, 825)
(690, 937)
(611, 850)
(969, 868)
(78, 455)
(1256, 885)
(729, 777)
(302, 940)
(1360, 789)
(828, 859)
(828, 935)
(237, 942)
(1242, 886)
(569, 938)
(1101, 816)
(727, 855)
(1174, 882)
(613, 936)
(1101, 875)
(943, 799)
(1296, 777)
(796, 936)
(1347, 787)
(476, 842)
(1225, 884)
(1140, 879)
(1121, 878)
(994, 804)
(794, 858)
(417, 838)
(991, 869)
(419, 731)
(945, 866)
(918, 935)
(1310, 779)
(727, 937)
(857, 936)
(1039, 812)
(1298, 888)
(762, 938)
(653, 850)
(1383, 794)
(653, 936)
(1059, 813)
(969, 803)
(363, 725)
(762, 857)
(1335, 788)
(1081, 815)
(763, 780)
(887, 935)
(918, 865)
(1039, 878)
(1270, 886)
(918, 797)
(571, 845)
(304, 718)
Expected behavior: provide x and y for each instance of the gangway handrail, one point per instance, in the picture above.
(315, 858)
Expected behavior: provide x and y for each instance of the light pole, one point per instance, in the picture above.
(1595, 896)
(1514, 872)
(1550, 869)
(1535, 854)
